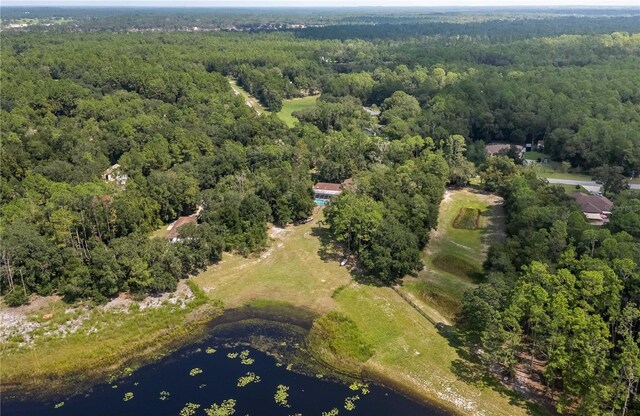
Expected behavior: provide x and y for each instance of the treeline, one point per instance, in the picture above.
(561, 298)
(502, 30)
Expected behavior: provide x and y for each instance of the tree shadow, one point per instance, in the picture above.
(470, 369)
(333, 251)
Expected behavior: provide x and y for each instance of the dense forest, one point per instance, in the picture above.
(407, 105)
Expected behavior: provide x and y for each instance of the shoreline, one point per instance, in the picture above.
(292, 320)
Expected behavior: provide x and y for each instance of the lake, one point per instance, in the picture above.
(209, 372)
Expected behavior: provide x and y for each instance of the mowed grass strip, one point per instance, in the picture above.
(456, 251)
(293, 105)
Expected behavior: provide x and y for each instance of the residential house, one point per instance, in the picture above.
(115, 174)
(174, 233)
(596, 208)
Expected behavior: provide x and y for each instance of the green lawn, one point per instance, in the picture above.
(535, 155)
(296, 104)
(571, 189)
(454, 256)
(554, 170)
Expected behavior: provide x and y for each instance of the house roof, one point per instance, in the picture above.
(597, 204)
(326, 186)
(494, 148)
(191, 219)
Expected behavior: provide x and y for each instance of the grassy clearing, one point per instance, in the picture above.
(467, 219)
(535, 156)
(106, 341)
(296, 104)
(407, 350)
(454, 256)
(297, 269)
(572, 189)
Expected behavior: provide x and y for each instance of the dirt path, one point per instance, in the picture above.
(248, 99)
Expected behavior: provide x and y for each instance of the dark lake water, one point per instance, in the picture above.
(166, 386)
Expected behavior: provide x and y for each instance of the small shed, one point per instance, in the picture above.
(174, 233)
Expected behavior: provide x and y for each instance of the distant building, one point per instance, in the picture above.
(495, 148)
(327, 190)
(115, 174)
(540, 146)
(596, 208)
(174, 233)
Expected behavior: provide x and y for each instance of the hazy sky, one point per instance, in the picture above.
(316, 3)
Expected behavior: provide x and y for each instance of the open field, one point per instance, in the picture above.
(301, 268)
(453, 259)
(571, 189)
(295, 104)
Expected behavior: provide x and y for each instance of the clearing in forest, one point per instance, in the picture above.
(469, 220)
(293, 105)
(302, 268)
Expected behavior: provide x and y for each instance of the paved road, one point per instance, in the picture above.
(586, 184)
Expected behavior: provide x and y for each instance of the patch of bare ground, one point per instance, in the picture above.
(49, 316)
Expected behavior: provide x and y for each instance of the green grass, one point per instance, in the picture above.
(335, 335)
(454, 256)
(571, 189)
(296, 104)
(553, 170)
(467, 219)
(415, 357)
(535, 156)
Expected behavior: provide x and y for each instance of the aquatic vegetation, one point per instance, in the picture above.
(136, 383)
(363, 387)
(189, 409)
(332, 412)
(195, 371)
(58, 405)
(247, 379)
(115, 386)
(289, 367)
(226, 408)
(278, 364)
(128, 396)
(319, 376)
(127, 371)
(350, 402)
(201, 386)
(244, 356)
(164, 395)
(232, 355)
(210, 350)
(281, 397)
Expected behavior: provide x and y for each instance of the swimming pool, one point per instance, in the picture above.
(320, 202)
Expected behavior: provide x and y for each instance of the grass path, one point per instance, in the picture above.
(454, 256)
(248, 99)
